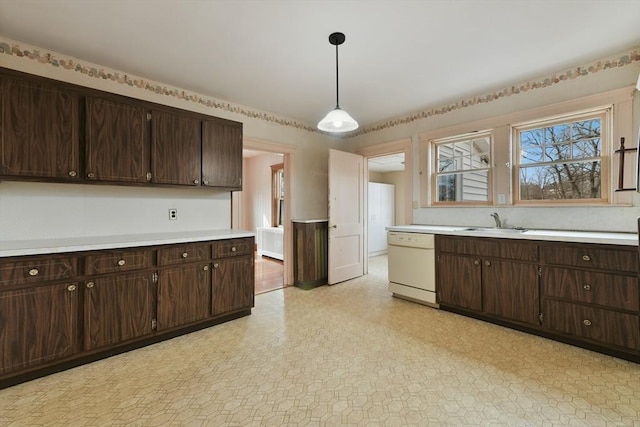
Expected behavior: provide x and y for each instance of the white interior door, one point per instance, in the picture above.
(346, 216)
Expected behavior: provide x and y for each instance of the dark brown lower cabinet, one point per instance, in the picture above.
(460, 281)
(184, 295)
(118, 308)
(510, 290)
(594, 324)
(233, 284)
(37, 325)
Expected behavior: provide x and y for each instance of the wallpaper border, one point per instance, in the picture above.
(56, 60)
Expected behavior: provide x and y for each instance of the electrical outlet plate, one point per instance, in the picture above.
(173, 213)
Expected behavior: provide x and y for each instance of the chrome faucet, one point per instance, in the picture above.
(496, 217)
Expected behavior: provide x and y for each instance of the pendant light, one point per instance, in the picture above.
(337, 120)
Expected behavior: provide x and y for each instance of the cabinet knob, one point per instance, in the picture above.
(121, 262)
(196, 182)
(586, 287)
(73, 173)
(586, 258)
(476, 262)
(205, 182)
(90, 285)
(71, 288)
(216, 265)
(487, 263)
(586, 322)
(91, 175)
(233, 249)
(205, 268)
(33, 272)
(184, 255)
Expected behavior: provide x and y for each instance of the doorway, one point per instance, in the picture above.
(385, 201)
(259, 208)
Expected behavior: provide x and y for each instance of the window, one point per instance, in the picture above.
(462, 169)
(277, 194)
(561, 160)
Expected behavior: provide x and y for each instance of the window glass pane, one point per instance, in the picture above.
(464, 186)
(586, 148)
(553, 153)
(561, 161)
(561, 181)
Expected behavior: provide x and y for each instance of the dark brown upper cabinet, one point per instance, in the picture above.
(222, 154)
(117, 144)
(39, 130)
(175, 149)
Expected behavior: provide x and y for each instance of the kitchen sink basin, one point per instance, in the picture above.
(496, 230)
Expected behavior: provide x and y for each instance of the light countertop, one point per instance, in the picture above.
(628, 239)
(80, 244)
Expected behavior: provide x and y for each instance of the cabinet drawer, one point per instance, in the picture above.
(184, 253)
(117, 261)
(604, 326)
(591, 257)
(232, 247)
(38, 269)
(506, 249)
(620, 292)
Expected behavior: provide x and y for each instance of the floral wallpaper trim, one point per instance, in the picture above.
(47, 58)
(582, 71)
(122, 78)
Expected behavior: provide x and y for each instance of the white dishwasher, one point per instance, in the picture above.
(412, 266)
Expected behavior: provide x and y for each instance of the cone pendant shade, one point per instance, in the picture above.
(337, 120)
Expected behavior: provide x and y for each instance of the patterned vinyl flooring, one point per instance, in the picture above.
(344, 355)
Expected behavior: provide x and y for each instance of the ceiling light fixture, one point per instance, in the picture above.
(337, 120)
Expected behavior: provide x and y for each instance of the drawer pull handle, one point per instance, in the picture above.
(184, 255)
(487, 263)
(71, 288)
(33, 272)
(90, 285)
(205, 268)
(476, 262)
(586, 287)
(233, 249)
(586, 258)
(586, 322)
(215, 265)
(121, 262)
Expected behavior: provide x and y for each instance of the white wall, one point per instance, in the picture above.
(608, 218)
(397, 179)
(25, 208)
(36, 210)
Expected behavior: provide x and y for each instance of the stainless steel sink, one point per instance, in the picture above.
(496, 230)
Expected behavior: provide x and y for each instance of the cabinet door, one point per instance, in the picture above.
(459, 282)
(510, 290)
(37, 325)
(184, 295)
(175, 149)
(233, 285)
(222, 154)
(117, 308)
(117, 145)
(39, 130)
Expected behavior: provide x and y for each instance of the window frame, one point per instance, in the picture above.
(433, 176)
(277, 195)
(605, 114)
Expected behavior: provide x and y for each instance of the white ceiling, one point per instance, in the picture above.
(389, 163)
(399, 56)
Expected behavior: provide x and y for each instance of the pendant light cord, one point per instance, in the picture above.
(337, 86)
